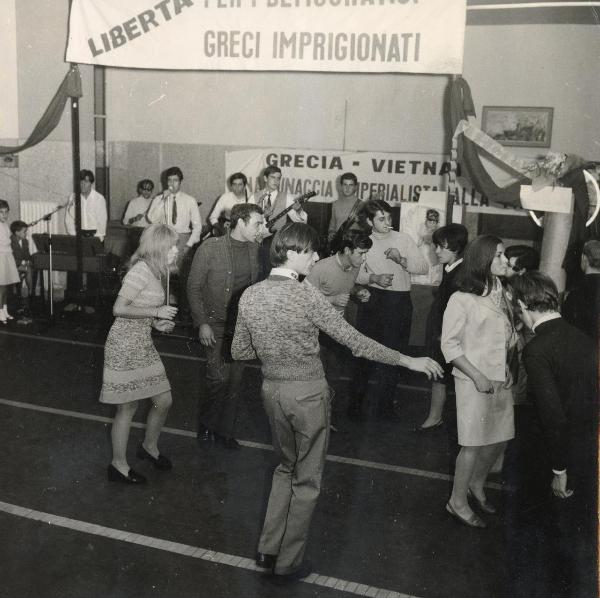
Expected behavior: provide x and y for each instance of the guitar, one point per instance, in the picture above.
(300, 200)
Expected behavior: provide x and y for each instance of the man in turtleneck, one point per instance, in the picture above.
(279, 321)
(387, 316)
(222, 268)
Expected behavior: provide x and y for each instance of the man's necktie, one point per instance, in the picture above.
(174, 211)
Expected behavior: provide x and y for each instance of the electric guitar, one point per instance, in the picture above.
(300, 200)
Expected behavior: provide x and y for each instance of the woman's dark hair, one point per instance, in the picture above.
(238, 175)
(526, 257)
(475, 275)
(536, 290)
(144, 183)
(452, 236)
(294, 236)
(4, 205)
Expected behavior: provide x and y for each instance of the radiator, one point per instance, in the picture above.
(32, 211)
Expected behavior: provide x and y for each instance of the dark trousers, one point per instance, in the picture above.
(386, 318)
(218, 411)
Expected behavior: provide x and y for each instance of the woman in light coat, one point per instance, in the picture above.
(477, 336)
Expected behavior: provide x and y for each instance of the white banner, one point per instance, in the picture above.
(392, 177)
(405, 36)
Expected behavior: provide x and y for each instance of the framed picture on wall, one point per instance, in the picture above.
(518, 125)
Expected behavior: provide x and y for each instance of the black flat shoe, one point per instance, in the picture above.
(486, 506)
(473, 521)
(133, 477)
(160, 462)
(429, 429)
(265, 561)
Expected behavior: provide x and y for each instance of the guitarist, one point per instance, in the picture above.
(272, 201)
(220, 215)
(345, 209)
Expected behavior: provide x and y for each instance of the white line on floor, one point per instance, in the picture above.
(432, 475)
(186, 550)
(66, 341)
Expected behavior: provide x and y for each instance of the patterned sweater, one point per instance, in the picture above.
(279, 322)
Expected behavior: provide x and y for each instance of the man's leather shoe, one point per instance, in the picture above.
(206, 435)
(133, 477)
(287, 578)
(160, 462)
(265, 561)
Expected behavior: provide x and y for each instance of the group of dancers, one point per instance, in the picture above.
(494, 324)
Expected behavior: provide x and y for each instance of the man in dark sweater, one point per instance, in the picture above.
(222, 268)
(561, 364)
(279, 321)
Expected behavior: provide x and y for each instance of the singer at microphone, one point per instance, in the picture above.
(180, 211)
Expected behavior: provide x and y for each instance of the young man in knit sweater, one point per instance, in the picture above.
(387, 316)
(221, 270)
(279, 321)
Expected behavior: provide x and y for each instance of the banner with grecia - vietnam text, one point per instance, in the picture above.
(394, 177)
(404, 36)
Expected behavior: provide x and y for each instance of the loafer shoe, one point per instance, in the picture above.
(288, 578)
(473, 521)
(160, 462)
(483, 505)
(265, 561)
(133, 477)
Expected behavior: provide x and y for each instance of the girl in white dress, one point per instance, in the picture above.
(8, 268)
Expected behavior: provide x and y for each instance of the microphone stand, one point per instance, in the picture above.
(48, 217)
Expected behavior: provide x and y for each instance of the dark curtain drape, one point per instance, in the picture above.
(69, 88)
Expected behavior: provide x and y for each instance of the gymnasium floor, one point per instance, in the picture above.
(380, 528)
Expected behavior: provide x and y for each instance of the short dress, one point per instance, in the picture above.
(8, 268)
(133, 369)
(484, 419)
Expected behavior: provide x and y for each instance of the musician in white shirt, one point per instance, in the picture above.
(93, 208)
(238, 194)
(135, 214)
(177, 209)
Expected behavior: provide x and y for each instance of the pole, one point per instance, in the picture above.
(77, 192)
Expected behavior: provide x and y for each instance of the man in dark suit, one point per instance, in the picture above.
(561, 364)
(582, 306)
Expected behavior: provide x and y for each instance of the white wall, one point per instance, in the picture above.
(45, 171)
(158, 118)
(9, 101)
(9, 118)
